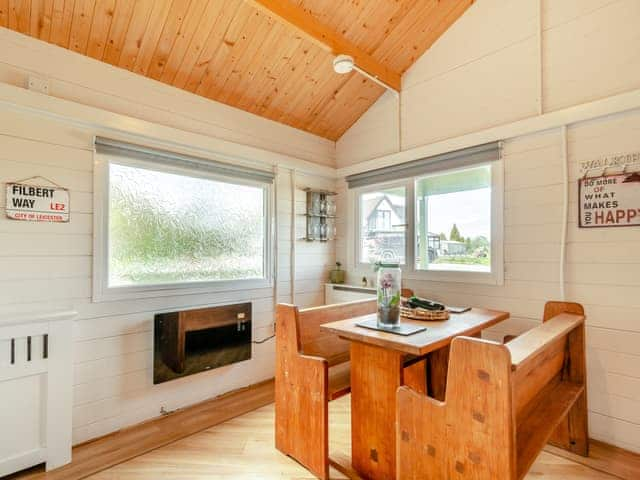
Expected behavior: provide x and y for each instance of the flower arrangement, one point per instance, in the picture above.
(388, 294)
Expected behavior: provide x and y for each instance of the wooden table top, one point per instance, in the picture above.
(437, 335)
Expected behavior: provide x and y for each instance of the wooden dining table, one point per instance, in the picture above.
(381, 362)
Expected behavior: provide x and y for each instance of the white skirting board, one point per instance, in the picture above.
(36, 376)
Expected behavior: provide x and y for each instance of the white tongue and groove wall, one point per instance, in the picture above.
(485, 72)
(48, 266)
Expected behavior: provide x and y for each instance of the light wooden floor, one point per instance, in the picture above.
(242, 448)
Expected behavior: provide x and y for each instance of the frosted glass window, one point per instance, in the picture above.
(167, 228)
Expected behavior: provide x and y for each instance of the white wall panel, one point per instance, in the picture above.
(49, 265)
(495, 64)
(375, 134)
(589, 53)
(449, 105)
(601, 269)
(486, 70)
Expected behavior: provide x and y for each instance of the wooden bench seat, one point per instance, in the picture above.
(312, 368)
(502, 404)
(339, 380)
(540, 418)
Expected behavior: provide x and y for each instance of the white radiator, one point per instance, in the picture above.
(36, 378)
(335, 293)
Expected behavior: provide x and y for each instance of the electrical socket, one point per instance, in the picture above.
(164, 411)
(38, 84)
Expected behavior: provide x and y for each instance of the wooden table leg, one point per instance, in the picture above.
(376, 374)
(437, 366)
(415, 376)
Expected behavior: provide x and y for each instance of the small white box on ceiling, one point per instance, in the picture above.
(38, 84)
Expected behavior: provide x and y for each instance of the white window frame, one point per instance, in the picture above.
(358, 219)
(103, 292)
(494, 277)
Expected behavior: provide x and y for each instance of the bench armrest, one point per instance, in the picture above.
(537, 339)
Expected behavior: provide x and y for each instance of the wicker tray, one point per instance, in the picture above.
(422, 314)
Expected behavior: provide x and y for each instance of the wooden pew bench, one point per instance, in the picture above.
(503, 403)
(312, 368)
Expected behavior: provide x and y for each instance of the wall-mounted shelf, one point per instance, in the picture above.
(306, 239)
(320, 192)
(317, 215)
(320, 214)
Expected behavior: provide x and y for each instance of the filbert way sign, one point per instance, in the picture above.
(37, 203)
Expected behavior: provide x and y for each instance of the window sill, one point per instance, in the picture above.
(191, 288)
(452, 276)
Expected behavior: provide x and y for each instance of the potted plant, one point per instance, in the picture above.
(337, 275)
(388, 289)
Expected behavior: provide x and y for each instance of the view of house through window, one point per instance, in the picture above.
(383, 224)
(169, 228)
(453, 221)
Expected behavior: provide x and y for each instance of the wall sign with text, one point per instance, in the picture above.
(37, 203)
(610, 201)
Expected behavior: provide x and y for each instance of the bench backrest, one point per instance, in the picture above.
(302, 326)
(502, 403)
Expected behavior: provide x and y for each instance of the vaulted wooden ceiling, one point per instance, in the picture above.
(269, 57)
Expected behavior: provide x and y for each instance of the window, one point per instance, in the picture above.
(383, 218)
(453, 221)
(166, 229)
(444, 225)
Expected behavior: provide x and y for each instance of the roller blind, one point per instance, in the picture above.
(130, 150)
(456, 159)
(452, 182)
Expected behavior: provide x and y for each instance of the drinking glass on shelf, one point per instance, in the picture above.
(314, 230)
(315, 205)
(323, 231)
(323, 207)
(331, 207)
(330, 231)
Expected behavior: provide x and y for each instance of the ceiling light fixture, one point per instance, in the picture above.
(343, 64)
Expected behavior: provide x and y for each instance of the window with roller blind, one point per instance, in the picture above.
(453, 221)
(438, 223)
(171, 224)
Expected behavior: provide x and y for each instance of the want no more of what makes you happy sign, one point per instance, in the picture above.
(610, 201)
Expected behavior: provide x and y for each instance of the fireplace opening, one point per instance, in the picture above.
(193, 341)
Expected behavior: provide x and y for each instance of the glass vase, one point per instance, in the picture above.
(388, 288)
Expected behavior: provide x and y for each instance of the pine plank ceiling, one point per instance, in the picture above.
(241, 53)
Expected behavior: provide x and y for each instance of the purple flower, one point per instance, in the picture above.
(386, 281)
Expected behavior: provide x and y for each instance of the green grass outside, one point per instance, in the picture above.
(462, 260)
